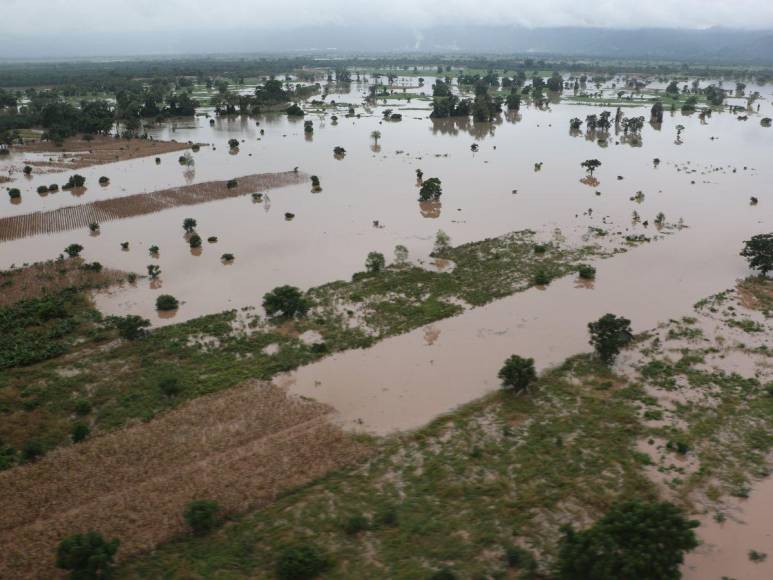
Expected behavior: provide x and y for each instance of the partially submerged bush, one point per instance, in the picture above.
(202, 516)
(189, 224)
(541, 278)
(227, 257)
(104, 180)
(431, 189)
(231, 183)
(195, 241)
(294, 111)
(166, 302)
(586, 272)
(74, 181)
(758, 250)
(73, 250)
(42, 189)
(14, 193)
(86, 556)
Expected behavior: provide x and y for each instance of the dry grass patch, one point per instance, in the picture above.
(241, 448)
(75, 153)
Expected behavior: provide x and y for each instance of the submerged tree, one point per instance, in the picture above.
(591, 165)
(375, 135)
(189, 224)
(431, 189)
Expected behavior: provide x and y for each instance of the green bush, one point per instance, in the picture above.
(79, 432)
(73, 250)
(633, 540)
(302, 562)
(541, 278)
(375, 262)
(431, 189)
(87, 556)
(586, 272)
(518, 373)
(170, 386)
(202, 516)
(356, 524)
(285, 301)
(608, 335)
(166, 302)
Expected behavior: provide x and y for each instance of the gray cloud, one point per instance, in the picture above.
(29, 18)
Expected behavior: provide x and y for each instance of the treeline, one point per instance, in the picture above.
(85, 77)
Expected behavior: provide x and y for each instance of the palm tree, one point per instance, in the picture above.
(375, 135)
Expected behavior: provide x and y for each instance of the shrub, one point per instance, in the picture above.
(202, 516)
(227, 257)
(586, 272)
(131, 277)
(540, 248)
(287, 301)
(27, 170)
(169, 386)
(233, 143)
(166, 302)
(301, 562)
(104, 180)
(356, 524)
(375, 262)
(339, 151)
(633, 540)
(79, 432)
(294, 111)
(73, 250)
(195, 241)
(42, 189)
(53, 187)
(154, 271)
(758, 250)
(153, 250)
(212, 239)
(86, 556)
(14, 193)
(124, 245)
(31, 450)
(401, 254)
(518, 373)
(94, 227)
(82, 407)
(608, 335)
(130, 327)
(541, 278)
(75, 181)
(231, 183)
(431, 189)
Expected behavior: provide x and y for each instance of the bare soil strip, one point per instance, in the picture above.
(240, 448)
(80, 216)
(78, 153)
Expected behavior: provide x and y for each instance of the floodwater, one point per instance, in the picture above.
(725, 547)
(405, 381)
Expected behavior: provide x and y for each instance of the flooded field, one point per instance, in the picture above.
(711, 182)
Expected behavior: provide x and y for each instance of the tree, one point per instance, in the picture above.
(87, 556)
(130, 327)
(302, 562)
(202, 516)
(442, 242)
(233, 143)
(166, 302)
(431, 189)
(632, 540)
(79, 432)
(608, 335)
(591, 165)
(518, 373)
(73, 250)
(189, 224)
(154, 270)
(285, 301)
(375, 262)
(759, 252)
(195, 241)
(375, 135)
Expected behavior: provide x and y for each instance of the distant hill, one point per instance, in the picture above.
(714, 45)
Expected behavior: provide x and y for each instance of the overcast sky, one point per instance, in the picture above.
(32, 18)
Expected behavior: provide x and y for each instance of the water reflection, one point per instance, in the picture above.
(430, 209)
